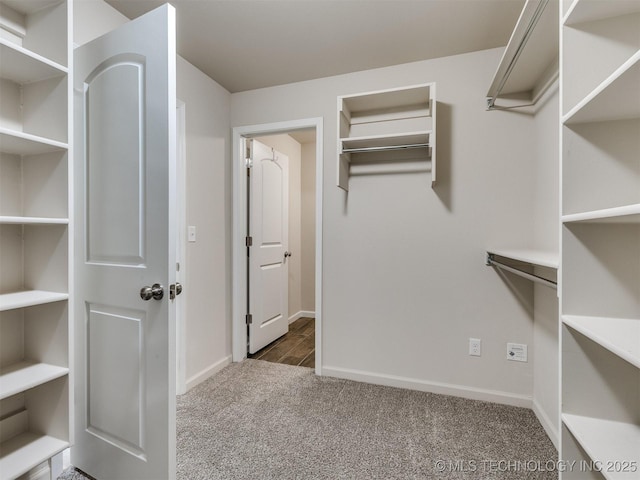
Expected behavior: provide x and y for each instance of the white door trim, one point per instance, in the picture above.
(181, 254)
(239, 253)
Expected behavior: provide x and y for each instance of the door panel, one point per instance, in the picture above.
(125, 143)
(269, 227)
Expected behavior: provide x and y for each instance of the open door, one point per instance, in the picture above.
(125, 141)
(269, 231)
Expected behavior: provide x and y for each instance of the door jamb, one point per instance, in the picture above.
(181, 222)
(238, 247)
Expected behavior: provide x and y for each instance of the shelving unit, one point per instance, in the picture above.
(35, 129)
(600, 302)
(529, 65)
(387, 126)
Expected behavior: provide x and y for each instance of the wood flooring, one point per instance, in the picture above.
(297, 347)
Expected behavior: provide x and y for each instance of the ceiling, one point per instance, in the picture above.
(249, 44)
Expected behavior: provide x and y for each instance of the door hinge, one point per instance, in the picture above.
(248, 318)
(248, 241)
(248, 154)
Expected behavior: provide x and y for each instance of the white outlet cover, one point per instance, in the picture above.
(475, 347)
(517, 352)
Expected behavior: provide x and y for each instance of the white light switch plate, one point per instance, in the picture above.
(191, 233)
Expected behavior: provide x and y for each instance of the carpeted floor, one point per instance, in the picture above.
(261, 420)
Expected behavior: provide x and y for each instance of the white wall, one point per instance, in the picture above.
(405, 283)
(207, 289)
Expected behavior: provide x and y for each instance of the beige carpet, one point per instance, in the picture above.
(260, 420)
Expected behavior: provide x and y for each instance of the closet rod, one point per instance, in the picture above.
(529, 276)
(384, 149)
(512, 63)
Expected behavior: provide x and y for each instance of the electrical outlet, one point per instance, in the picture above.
(475, 347)
(517, 352)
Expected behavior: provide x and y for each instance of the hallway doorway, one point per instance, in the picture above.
(305, 282)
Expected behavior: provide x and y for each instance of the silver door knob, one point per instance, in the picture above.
(156, 291)
(174, 290)
(287, 254)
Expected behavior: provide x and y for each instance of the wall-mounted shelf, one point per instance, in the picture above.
(583, 12)
(512, 260)
(529, 64)
(386, 121)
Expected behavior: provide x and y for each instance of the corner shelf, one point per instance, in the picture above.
(606, 441)
(386, 121)
(29, 298)
(620, 336)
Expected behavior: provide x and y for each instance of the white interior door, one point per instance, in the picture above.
(125, 140)
(269, 229)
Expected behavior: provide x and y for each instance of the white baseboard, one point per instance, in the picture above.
(547, 424)
(207, 373)
(300, 314)
(472, 393)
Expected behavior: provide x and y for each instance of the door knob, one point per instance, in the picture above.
(174, 290)
(287, 254)
(156, 291)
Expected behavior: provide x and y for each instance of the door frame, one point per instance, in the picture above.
(240, 211)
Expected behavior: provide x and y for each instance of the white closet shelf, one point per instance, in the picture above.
(22, 376)
(610, 100)
(20, 143)
(20, 454)
(582, 11)
(24, 66)
(606, 441)
(625, 214)
(31, 6)
(29, 298)
(620, 336)
(542, 258)
(377, 142)
(403, 97)
(33, 220)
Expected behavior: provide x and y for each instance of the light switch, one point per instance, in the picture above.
(191, 233)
